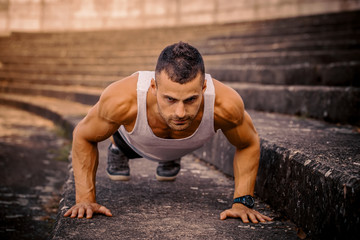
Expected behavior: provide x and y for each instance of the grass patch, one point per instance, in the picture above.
(61, 153)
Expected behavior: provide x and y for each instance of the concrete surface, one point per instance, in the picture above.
(188, 208)
(310, 170)
(33, 169)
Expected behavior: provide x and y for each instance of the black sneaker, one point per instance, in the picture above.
(118, 165)
(167, 171)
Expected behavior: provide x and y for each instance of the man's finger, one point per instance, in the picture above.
(105, 211)
(89, 213)
(260, 218)
(223, 215)
(228, 213)
(81, 212)
(68, 213)
(74, 213)
(253, 218)
(244, 218)
(267, 218)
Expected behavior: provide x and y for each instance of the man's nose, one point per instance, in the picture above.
(180, 110)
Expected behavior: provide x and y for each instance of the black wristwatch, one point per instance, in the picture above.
(247, 200)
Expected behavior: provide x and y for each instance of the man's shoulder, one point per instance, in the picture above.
(118, 100)
(229, 106)
(120, 89)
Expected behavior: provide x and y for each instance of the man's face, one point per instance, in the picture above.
(178, 104)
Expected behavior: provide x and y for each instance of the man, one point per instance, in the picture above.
(163, 116)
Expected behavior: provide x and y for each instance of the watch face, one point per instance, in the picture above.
(249, 201)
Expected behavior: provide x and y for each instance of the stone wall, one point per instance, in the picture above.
(60, 15)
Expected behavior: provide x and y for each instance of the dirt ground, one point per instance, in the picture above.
(33, 168)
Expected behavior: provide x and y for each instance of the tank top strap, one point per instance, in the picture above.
(143, 84)
(144, 80)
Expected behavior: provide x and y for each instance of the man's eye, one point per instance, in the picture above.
(190, 100)
(170, 99)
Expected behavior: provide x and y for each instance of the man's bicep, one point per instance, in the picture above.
(242, 135)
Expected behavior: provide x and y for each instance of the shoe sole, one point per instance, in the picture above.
(165, 179)
(118, 177)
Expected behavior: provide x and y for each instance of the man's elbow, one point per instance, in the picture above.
(79, 135)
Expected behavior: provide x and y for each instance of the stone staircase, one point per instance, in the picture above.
(307, 68)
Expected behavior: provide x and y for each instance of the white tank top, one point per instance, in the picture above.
(144, 142)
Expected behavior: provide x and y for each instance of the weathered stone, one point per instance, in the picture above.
(334, 104)
(144, 208)
(309, 170)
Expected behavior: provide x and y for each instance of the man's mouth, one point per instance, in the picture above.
(180, 122)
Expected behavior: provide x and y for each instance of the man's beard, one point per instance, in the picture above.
(177, 124)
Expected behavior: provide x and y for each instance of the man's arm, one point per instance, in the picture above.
(91, 130)
(238, 128)
(246, 162)
(100, 123)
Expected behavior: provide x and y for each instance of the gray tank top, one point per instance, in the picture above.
(144, 142)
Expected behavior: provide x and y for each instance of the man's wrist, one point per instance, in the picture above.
(246, 200)
(88, 198)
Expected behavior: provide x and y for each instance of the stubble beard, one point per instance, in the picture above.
(177, 127)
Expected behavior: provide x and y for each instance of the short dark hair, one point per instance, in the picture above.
(182, 63)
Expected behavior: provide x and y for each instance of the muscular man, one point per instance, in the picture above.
(162, 116)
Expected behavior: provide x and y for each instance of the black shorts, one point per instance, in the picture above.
(124, 147)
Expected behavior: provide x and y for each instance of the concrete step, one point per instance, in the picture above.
(307, 167)
(223, 55)
(299, 31)
(308, 24)
(332, 74)
(293, 34)
(119, 38)
(305, 71)
(63, 112)
(63, 79)
(225, 45)
(76, 61)
(282, 58)
(75, 53)
(84, 95)
(206, 47)
(333, 104)
(331, 39)
(290, 68)
(92, 70)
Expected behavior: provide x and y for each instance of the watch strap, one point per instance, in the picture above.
(246, 200)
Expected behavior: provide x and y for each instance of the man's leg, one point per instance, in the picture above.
(167, 171)
(119, 154)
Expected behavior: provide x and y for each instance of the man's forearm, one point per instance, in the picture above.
(85, 162)
(246, 163)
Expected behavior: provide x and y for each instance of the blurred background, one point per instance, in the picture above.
(300, 58)
(60, 15)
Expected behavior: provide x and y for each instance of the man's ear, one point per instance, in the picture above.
(153, 86)
(204, 86)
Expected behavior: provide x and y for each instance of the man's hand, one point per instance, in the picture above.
(245, 213)
(87, 208)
